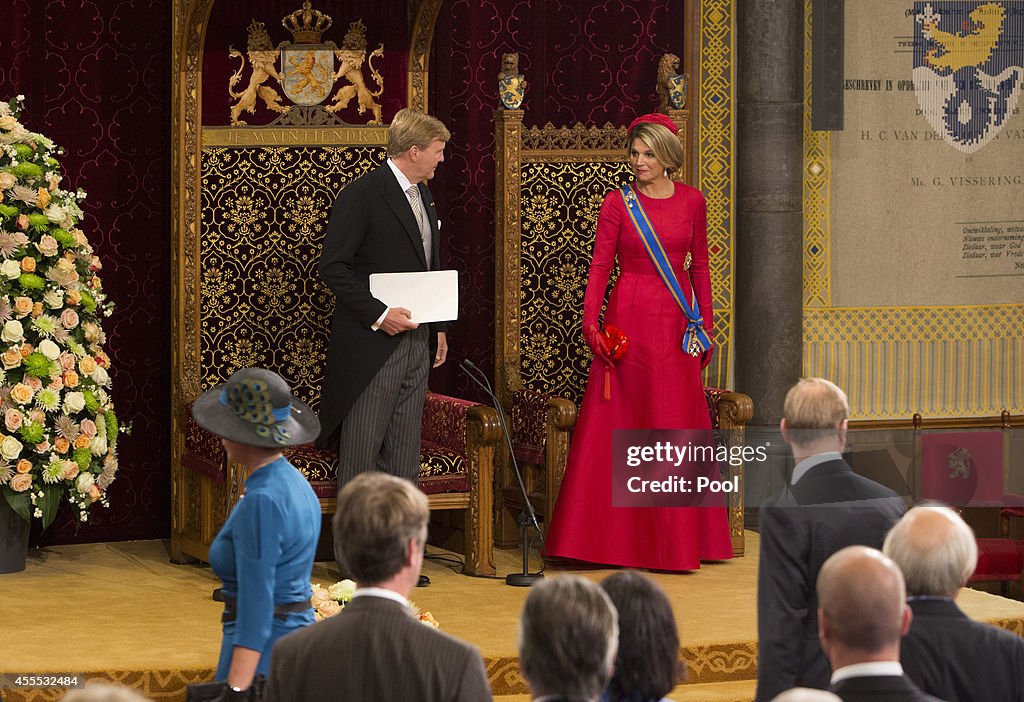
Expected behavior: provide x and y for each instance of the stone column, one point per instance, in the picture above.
(769, 222)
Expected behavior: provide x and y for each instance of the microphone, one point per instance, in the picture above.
(528, 516)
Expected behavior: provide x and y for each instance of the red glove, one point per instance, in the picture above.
(598, 343)
(705, 358)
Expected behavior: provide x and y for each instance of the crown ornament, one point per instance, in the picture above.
(355, 37)
(307, 25)
(259, 40)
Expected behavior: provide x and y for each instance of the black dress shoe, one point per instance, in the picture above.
(423, 581)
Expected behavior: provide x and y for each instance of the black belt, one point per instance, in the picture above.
(281, 611)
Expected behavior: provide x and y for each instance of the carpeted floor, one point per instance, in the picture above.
(122, 611)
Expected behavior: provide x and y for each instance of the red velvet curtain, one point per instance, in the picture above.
(96, 77)
(584, 61)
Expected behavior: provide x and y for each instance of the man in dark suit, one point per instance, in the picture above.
(568, 638)
(374, 649)
(861, 616)
(946, 653)
(378, 361)
(825, 507)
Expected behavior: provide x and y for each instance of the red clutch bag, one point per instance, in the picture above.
(618, 344)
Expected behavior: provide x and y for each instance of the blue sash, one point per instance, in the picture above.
(695, 339)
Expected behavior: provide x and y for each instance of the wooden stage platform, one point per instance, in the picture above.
(122, 611)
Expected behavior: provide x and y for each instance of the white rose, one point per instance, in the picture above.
(10, 269)
(49, 349)
(84, 482)
(54, 299)
(10, 448)
(13, 332)
(74, 402)
(55, 213)
(100, 376)
(98, 445)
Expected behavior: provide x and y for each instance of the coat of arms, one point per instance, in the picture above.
(968, 68)
(305, 70)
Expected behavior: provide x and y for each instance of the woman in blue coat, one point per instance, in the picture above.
(264, 553)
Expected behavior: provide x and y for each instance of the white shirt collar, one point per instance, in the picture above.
(805, 465)
(870, 669)
(403, 182)
(381, 592)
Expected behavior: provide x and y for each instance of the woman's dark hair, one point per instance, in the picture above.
(647, 666)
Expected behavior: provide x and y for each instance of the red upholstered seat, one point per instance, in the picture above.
(999, 559)
(456, 467)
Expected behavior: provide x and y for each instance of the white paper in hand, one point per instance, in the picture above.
(431, 296)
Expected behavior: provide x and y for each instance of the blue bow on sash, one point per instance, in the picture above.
(695, 338)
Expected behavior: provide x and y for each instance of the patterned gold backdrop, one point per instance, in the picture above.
(263, 215)
(560, 205)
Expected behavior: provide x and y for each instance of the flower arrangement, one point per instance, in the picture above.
(58, 434)
(327, 602)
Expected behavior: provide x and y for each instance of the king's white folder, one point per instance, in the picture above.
(431, 296)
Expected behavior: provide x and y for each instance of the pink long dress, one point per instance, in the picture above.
(656, 385)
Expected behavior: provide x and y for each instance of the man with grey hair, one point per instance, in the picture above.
(861, 617)
(946, 653)
(825, 507)
(374, 649)
(568, 638)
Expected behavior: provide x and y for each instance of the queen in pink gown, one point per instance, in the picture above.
(656, 385)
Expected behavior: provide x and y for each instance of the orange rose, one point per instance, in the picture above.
(22, 305)
(21, 483)
(87, 365)
(102, 359)
(94, 492)
(24, 465)
(22, 394)
(42, 447)
(70, 470)
(71, 379)
(61, 445)
(37, 309)
(28, 264)
(26, 350)
(82, 441)
(43, 196)
(74, 297)
(12, 358)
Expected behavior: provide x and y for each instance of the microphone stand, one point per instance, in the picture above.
(527, 516)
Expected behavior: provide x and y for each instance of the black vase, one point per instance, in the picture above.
(13, 539)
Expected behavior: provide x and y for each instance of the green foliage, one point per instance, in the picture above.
(39, 222)
(39, 365)
(83, 457)
(88, 302)
(8, 211)
(27, 171)
(31, 433)
(31, 281)
(19, 502)
(92, 405)
(111, 428)
(49, 503)
(63, 237)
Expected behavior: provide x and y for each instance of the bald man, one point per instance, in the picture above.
(825, 507)
(862, 614)
(946, 653)
(806, 694)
